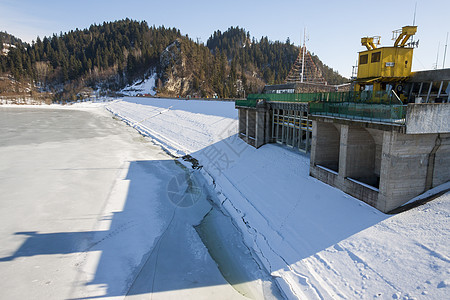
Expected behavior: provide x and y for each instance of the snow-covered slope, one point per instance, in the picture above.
(319, 242)
(146, 86)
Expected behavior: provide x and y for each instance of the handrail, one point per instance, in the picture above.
(398, 98)
(361, 105)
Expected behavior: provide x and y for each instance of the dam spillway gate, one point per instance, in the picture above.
(276, 122)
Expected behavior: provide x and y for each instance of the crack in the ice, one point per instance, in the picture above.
(255, 235)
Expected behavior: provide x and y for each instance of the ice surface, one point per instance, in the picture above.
(87, 210)
(319, 242)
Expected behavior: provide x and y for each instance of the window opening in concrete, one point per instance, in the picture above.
(361, 157)
(327, 146)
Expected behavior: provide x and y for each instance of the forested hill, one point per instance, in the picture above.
(273, 60)
(8, 39)
(112, 55)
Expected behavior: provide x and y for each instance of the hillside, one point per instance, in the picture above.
(112, 55)
(8, 41)
(271, 60)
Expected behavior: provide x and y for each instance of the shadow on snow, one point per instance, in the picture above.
(164, 202)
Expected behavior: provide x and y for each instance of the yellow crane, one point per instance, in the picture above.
(385, 68)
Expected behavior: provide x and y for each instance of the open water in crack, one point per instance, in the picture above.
(237, 263)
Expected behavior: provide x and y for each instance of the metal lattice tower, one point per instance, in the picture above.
(305, 70)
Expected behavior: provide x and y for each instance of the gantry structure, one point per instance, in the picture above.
(305, 70)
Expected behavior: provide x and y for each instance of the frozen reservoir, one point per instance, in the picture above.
(91, 209)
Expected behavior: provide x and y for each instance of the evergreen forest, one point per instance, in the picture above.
(112, 55)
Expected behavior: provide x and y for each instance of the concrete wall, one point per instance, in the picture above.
(255, 126)
(361, 192)
(356, 149)
(251, 126)
(406, 164)
(404, 168)
(441, 172)
(377, 136)
(242, 114)
(261, 127)
(326, 144)
(428, 118)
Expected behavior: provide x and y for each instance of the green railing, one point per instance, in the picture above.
(387, 113)
(383, 107)
(246, 103)
(364, 105)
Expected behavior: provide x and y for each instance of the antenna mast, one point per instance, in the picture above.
(303, 55)
(445, 52)
(414, 24)
(437, 56)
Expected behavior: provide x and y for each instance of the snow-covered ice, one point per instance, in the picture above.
(86, 206)
(90, 209)
(317, 241)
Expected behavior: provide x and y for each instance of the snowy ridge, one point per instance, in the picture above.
(142, 87)
(317, 241)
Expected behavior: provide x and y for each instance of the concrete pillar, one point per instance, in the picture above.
(251, 121)
(312, 157)
(260, 127)
(343, 152)
(246, 125)
(268, 128)
(242, 121)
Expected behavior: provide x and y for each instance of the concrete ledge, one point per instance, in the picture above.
(360, 191)
(351, 187)
(360, 123)
(428, 118)
(324, 175)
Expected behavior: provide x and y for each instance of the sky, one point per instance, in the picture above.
(334, 28)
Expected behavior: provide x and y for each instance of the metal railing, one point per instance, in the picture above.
(384, 113)
(246, 102)
(385, 107)
(364, 105)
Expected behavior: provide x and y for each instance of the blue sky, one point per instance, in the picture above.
(334, 27)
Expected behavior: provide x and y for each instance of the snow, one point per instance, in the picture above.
(317, 241)
(146, 86)
(91, 209)
(88, 211)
